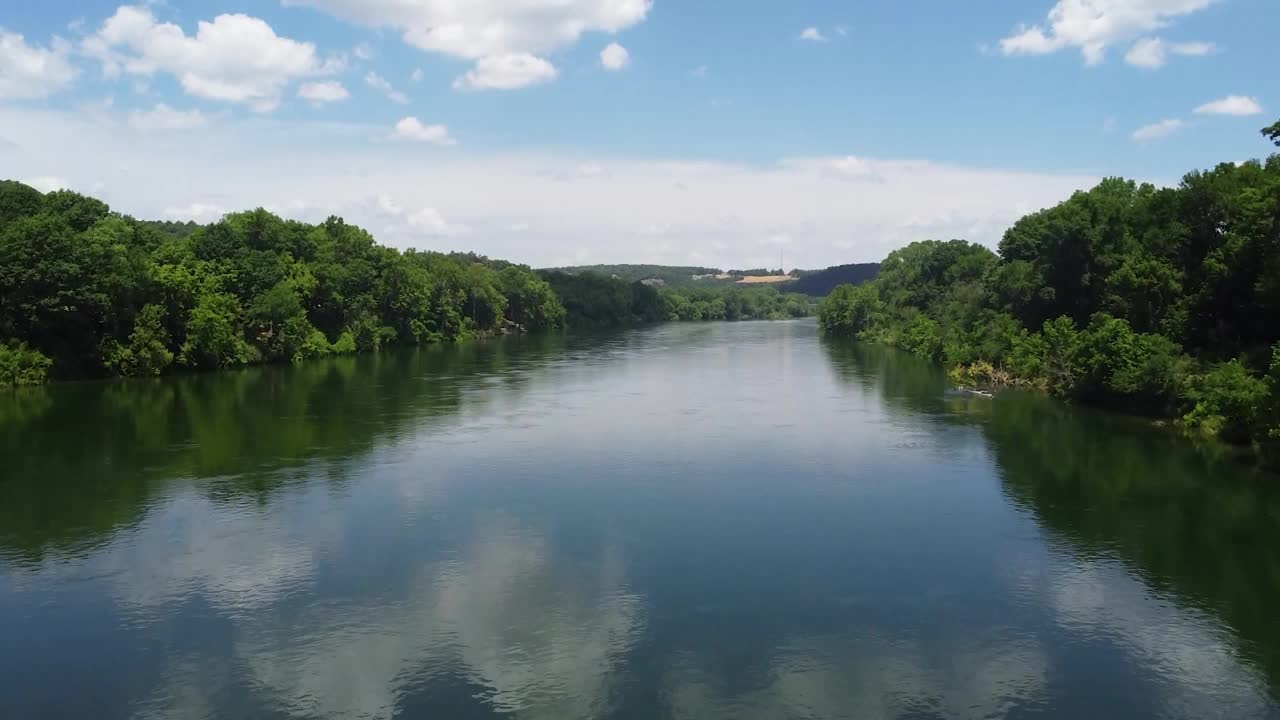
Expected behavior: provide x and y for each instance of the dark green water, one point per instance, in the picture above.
(689, 521)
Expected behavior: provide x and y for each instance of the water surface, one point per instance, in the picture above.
(687, 521)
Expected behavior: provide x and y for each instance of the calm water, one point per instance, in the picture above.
(689, 521)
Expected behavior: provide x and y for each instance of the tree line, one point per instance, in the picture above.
(600, 301)
(87, 293)
(1164, 301)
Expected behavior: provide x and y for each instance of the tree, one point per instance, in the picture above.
(148, 350)
(1272, 132)
(850, 309)
(214, 338)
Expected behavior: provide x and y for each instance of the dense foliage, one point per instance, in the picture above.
(596, 301)
(820, 283)
(85, 292)
(670, 275)
(1161, 301)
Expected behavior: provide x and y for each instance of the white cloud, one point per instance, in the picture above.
(482, 28)
(379, 83)
(812, 34)
(614, 57)
(1152, 52)
(1156, 131)
(506, 72)
(700, 71)
(47, 183)
(835, 209)
(417, 75)
(411, 128)
(1146, 53)
(233, 58)
(318, 93)
(497, 30)
(30, 71)
(429, 222)
(163, 117)
(846, 167)
(1092, 26)
(1231, 105)
(1192, 49)
(363, 52)
(198, 211)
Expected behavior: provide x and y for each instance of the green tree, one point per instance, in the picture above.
(1272, 133)
(148, 350)
(850, 309)
(214, 334)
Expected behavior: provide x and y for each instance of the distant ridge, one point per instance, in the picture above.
(819, 283)
(816, 283)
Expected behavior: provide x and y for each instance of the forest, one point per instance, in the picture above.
(1159, 301)
(598, 301)
(89, 293)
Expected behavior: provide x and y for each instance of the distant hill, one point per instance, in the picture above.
(670, 275)
(815, 283)
(818, 283)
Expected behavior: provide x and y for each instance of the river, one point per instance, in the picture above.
(685, 521)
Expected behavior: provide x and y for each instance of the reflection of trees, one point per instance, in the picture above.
(83, 460)
(523, 629)
(1187, 521)
(1207, 531)
(904, 380)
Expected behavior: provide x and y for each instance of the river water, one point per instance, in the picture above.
(684, 521)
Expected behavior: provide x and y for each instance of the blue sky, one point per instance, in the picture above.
(721, 133)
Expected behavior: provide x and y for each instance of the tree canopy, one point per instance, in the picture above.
(85, 292)
(1159, 300)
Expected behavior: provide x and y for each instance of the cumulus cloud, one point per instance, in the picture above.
(836, 209)
(30, 71)
(486, 29)
(1146, 53)
(379, 83)
(198, 211)
(614, 57)
(47, 183)
(411, 128)
(233, 58)
(1231, 105)
(1152, 53)
(319, 93)
(1092, 26)
(812, 34)
(1157, 130)
(506, 72)
(163, 117)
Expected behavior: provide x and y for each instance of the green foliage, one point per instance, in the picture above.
(214, 335)
(102, 294)
(592, 300)
(1272, 133)
(1157, 301)
(1226, 401)
(850, 310)
(148, 350)
(672, 276)
(18, 200)
(22, 365)
(820, 283)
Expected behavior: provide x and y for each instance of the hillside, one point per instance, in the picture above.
(670, 275)
(819, 283)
